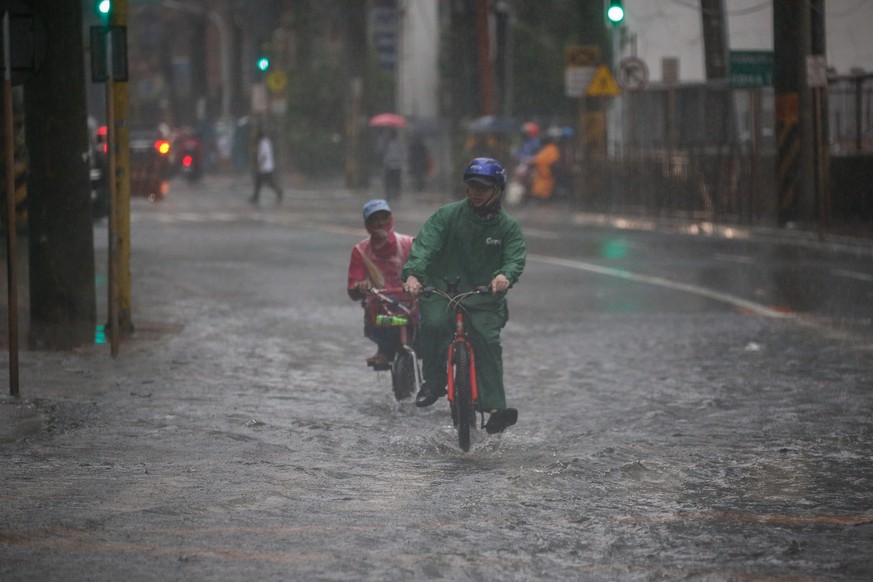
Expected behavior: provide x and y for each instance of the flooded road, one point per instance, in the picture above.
(679, 418)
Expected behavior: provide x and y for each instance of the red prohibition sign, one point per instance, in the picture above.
(633, 74)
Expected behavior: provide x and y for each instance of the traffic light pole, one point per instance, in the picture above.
(111, 153)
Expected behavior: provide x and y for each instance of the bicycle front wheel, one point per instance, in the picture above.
(463, 395)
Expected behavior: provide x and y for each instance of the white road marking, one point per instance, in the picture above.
(756, 308)
(539, 233)
(734, 259)
(853, 275)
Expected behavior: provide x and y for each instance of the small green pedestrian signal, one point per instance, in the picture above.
(615, 12)
(263, 63)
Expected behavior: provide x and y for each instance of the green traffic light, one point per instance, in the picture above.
(104, 6)
(263, 63)
(615, 12)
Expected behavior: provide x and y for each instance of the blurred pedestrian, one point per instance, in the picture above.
(543, 183)
(530, 143)
(265, 165)
(392, 163)
(419, 163)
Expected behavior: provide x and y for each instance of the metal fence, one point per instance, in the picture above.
(850, 114)
(707, 151)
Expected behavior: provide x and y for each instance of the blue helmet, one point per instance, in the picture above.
(374, 206)
(486, 171)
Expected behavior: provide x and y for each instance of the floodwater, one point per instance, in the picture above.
(661, 435)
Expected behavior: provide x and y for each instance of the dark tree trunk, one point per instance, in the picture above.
(61, 240)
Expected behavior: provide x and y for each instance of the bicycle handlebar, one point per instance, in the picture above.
(430, 290)
(386, 290)
(388, 296)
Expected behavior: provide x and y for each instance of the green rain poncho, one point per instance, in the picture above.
(453, 243)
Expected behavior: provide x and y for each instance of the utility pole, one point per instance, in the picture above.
(356, 77)
(60, 222)
(483, 52)
(794, 126)
(822, 155)
(715, 47)
(595, 37)
(503, 58)
(121, 109)
(11, 226)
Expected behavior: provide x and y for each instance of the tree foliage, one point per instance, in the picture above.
(543, 30)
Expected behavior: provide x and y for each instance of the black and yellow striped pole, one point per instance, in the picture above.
(787, 155)
(795, 175)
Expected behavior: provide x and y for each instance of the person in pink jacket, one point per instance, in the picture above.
(377, 261)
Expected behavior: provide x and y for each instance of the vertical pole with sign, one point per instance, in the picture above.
(121, 106)
(111, 143)
(817, 79)
(11, 241)
(108, 65)
(580, 64)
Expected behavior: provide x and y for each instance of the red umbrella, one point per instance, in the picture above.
(387, 120)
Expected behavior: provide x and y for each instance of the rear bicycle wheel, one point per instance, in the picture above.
(403, 375)
(463, 396)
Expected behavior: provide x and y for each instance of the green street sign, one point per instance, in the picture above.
(749, 69)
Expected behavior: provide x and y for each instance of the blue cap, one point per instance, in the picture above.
(374, 206)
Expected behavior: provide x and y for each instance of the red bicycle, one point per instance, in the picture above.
(387, 308)
(463, 391)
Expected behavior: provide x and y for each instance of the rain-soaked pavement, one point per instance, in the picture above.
(684, 414)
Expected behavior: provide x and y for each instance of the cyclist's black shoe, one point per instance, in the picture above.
(499, 420)
(427, 395)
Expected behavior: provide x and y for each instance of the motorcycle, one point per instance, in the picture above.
(518, 189)
(189, 157)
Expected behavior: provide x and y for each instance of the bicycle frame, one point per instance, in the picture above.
(460, 337)
(456, 300)
(462, 384)
(391, 305)
(397, 304)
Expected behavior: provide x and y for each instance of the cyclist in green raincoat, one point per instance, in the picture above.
(476, 241)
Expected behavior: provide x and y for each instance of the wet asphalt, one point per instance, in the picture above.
(691, 407)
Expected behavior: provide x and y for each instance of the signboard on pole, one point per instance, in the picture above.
(577, 80)
(277, 81)
(816, 71)
(581, 63)
(259, 98)
(633, 74)
(749, 69)
(603, 84)
(670, 70)
(100, 53)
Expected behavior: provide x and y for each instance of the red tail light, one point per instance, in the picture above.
(163, 146)
(102, 132)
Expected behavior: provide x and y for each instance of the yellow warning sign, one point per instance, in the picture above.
(277, 81)
(603, 84)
